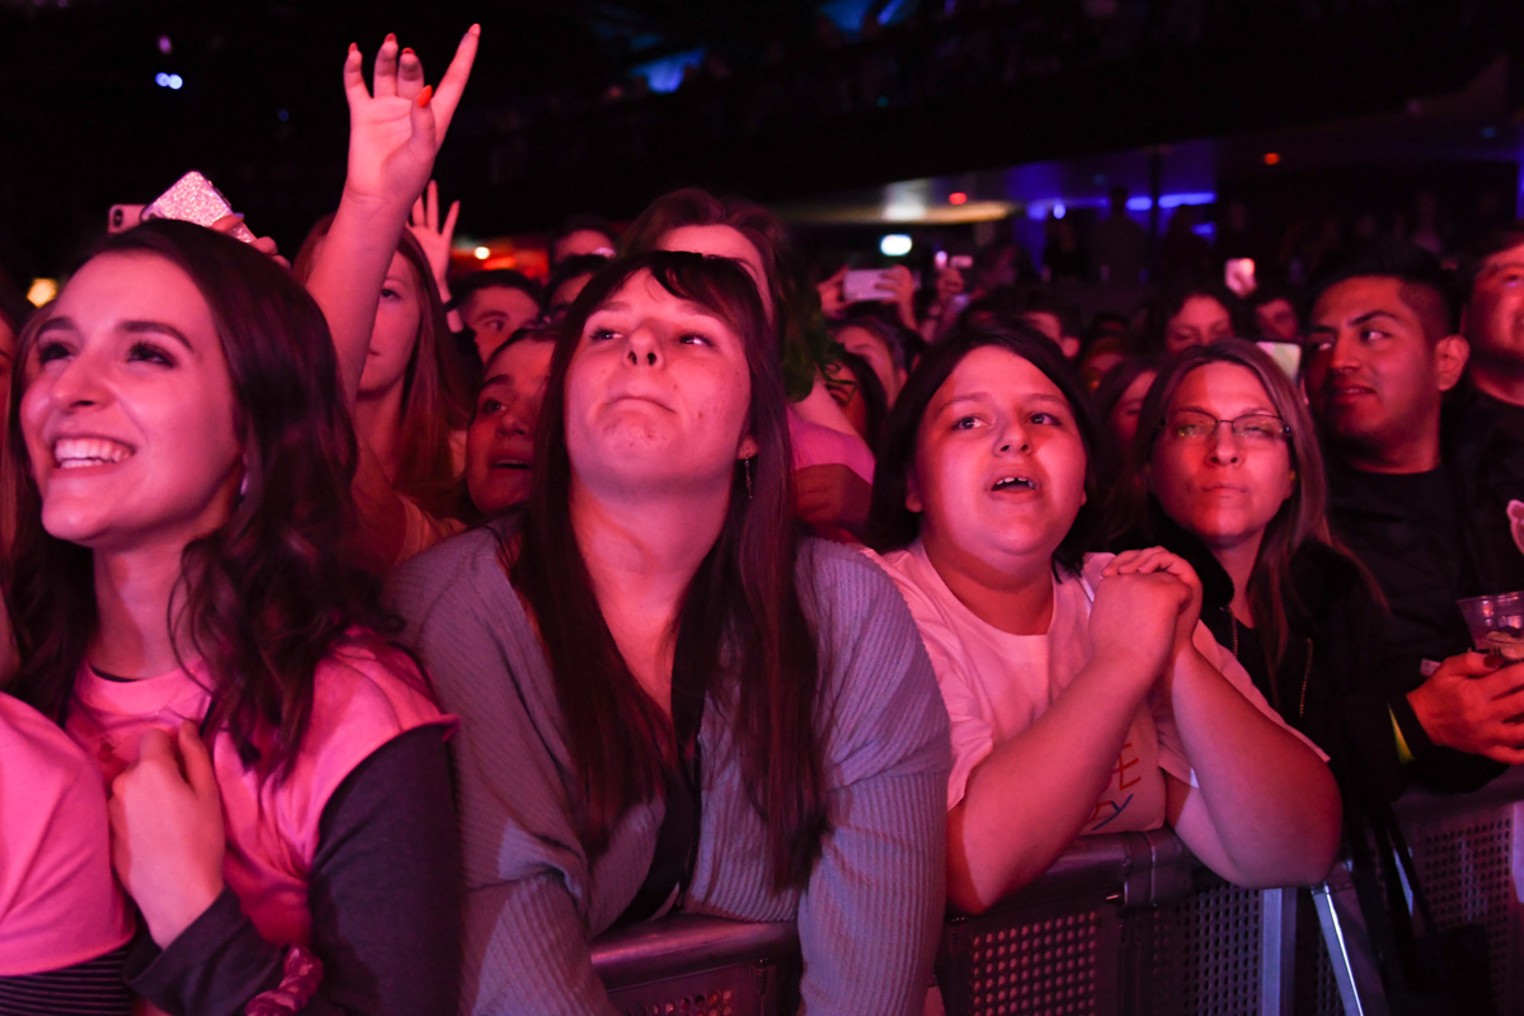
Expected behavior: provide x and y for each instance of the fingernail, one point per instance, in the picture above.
(407, 51)
(474, 30)
(425, 95)
(353, 47)
(391, 38)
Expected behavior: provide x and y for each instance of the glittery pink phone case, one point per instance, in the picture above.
(193, 198)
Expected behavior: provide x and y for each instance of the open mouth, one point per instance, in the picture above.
(1014, 483)
(510, 464)
(79, 452)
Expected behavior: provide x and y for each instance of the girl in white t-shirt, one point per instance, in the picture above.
(1083, 692)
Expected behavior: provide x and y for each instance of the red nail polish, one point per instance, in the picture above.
(425, 95)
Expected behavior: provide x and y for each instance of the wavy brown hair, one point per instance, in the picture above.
(437, 392)
(271, 592)
(742, 615)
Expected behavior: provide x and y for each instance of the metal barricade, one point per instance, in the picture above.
(700, 966)
(1132, 924)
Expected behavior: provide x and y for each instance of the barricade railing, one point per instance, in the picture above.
(1133, 924)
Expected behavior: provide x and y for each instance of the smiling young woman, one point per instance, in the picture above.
(668, 700)
(186, 606)
(1089, 670)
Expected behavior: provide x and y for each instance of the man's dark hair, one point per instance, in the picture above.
(582, 222)
(1408, 263)
(570, 268)
(1269, 292)
(501, 278)
(1483, 246)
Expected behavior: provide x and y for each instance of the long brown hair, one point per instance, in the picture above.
(270, 593)
(437, 395)
(1300, 520)
(741, 616)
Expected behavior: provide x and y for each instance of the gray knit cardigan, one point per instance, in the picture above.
(869, 918)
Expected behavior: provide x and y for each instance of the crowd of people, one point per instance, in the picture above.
(379, 637)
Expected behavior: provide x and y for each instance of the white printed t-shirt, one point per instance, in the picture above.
(996, 685)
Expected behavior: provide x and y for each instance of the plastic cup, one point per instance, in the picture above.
(1497, 624)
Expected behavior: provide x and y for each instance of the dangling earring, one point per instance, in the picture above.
(746, 468)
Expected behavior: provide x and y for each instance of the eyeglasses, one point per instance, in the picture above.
(1191, 426)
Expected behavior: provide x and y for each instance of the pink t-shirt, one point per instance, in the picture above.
(59, 902)
(996, 685)
(360, 702)
(815, 444)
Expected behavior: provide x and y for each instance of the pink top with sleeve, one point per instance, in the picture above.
(361, 700)
(59, 903)
(817, 445)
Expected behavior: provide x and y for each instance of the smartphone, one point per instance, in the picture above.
(121, 218)
(862, 284)
(193, 198)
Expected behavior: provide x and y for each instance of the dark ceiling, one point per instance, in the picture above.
(261, 107)
(86, 125)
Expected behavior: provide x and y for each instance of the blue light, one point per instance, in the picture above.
(175, 81)
(1059, 211)
(895, 245)
(1196, 198)
(169, 81)
(161, 79)
(666, 75)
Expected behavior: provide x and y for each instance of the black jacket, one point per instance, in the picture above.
(1343, 679)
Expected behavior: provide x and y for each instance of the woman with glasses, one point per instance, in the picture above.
(1225, 471)
(1083, 693)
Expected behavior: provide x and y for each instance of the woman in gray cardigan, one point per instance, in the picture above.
(667, 702)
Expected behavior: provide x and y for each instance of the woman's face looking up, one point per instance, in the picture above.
(658, 394)
(999, 470)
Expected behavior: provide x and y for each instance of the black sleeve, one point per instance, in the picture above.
(384, 896)
(1437, 768)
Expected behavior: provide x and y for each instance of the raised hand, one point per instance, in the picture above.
(832, 302)
(431, 236)
(167, 839)
(395, 131)
(396, 127)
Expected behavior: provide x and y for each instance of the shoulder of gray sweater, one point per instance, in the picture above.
(459, 562)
